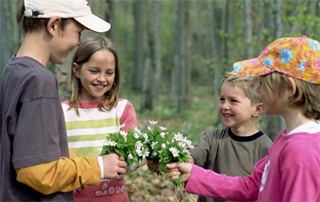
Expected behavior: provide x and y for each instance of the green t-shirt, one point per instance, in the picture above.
(226, 153)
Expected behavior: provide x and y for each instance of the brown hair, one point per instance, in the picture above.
(86, 49)
(249, 85)
(305, 98)
(35, 24)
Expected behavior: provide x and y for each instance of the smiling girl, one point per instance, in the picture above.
(95, 109)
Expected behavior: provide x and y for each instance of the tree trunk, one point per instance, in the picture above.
(179, 36)
(277, 19)
(10, 32)
(216, 46)
(138, 45)
(247, 28)
(109, 15)
(146, 100)
(150, 77)
(157, 48)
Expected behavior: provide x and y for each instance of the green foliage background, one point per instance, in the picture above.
(206, 63)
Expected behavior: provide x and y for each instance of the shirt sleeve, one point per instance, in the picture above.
(129, 117)
(200, 152)
(219, 186)
(63, 175)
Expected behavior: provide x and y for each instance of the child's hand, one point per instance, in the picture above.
(114, 166)
(174, 170)
(153, 166)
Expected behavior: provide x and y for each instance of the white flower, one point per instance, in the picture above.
(153, 144)
(178, 137)
(137, 130)
(145, 136)
(123, 133)
(174, 151)
(152, 122)
(139, 151)
(138, 146)
(162, 128)
(186, 151)
(189, 144)
(182, 144)
(145, 154)
(163, 134)
(110, 143)
(136, 135)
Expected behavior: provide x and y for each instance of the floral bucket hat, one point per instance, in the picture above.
(298, 57)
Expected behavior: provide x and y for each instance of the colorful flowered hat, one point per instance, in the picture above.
(298, 57)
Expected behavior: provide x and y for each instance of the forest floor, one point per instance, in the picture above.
(146, 186)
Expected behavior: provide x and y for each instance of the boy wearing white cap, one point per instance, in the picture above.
(35, 163)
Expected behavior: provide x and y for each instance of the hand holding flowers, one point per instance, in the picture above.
(156, 144)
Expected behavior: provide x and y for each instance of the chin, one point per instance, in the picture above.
(227, 124)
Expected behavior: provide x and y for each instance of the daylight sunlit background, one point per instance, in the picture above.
(173, 55)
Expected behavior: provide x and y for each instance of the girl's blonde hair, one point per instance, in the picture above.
(249, 85)
(82, 55)
(305, 98)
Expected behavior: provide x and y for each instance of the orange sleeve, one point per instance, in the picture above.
(72, 154)
(63, 175)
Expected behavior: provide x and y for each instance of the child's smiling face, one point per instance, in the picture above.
(97, 75)
(234, 107)
(63, 40)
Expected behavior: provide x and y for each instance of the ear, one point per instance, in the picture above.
(292, 86)
(258, 109)
(75, 69)
(53, 25)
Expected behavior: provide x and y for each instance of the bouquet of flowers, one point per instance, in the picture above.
(156, 144)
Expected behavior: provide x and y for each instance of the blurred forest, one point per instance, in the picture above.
(171, 50)
(173, 54)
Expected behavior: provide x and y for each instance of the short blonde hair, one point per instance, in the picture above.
(249, 85)
(306, 97)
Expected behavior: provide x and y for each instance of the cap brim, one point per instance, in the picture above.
(251, 67)
(94, 23)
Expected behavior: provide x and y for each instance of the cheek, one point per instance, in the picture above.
(111, 79)
(86, 78)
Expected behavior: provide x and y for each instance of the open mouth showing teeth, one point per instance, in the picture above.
(98, 86)
(227, 115)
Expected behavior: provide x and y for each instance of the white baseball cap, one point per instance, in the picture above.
(77, 9)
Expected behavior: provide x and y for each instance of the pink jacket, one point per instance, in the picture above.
(290, 172)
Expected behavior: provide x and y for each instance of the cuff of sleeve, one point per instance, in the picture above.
(100, 162)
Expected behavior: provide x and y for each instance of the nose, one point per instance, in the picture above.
(101, 78)
(225, 105)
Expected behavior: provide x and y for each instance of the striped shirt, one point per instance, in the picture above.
(87, 132)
